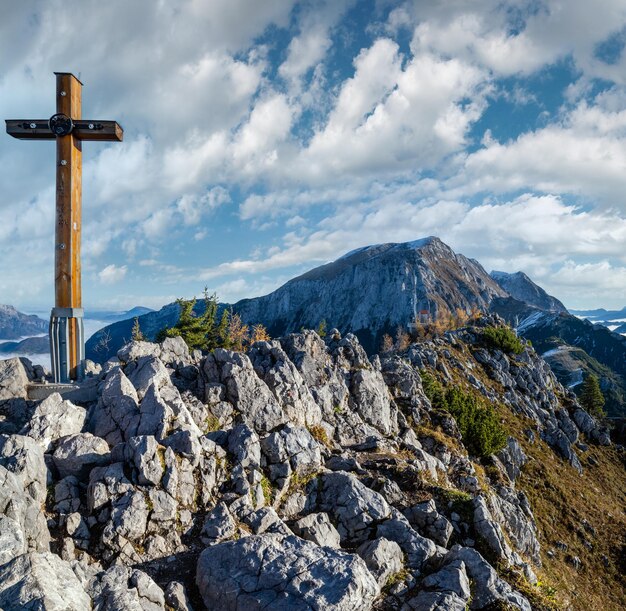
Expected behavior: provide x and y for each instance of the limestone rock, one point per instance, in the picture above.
(147, 458)
(218, 525)
(23, 510)
(125, 588)
(175, 352)
(12, 543)
(369, 397)
(149, 371)
(383, 558)
(274, 571)
(133, 351)
(488, 588)
(451, 578)
(54, 418)
(41, 581)
(356, 508)
(418, 549)
(244, 389)
(77, 454)
(436, 601)
(318, 528)
(425, 518)
(282, 377)
(24, 457)
(116, 417)
(243, 444)
(295, 445)
(13, 379)
(176, 597)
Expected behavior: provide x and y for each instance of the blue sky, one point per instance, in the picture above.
(265, 138)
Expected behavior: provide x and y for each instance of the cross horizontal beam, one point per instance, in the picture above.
(84, 129)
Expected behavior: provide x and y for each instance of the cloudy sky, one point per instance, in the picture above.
(265, 138)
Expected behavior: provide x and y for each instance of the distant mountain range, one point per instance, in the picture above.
(376, 289)
(615, 320)
(111, 317)
(14, 324)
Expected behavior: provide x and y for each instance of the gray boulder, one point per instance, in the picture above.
(175, 352)
(436, 601)
(147, 458)
(77, 454)
(14, 379)
(513, 458)
(383, 558)
(418, 549)
(282, 377)
(116, 417)
(244, 389)
(24, 457)
(12, 543)
(369, 397)
(126, 588)
(355, 507)
(283, 572)
(294, 447)
(148, 371)
(41, 581)
(176, 597)
(451, 578)
(54, 418)
(488, 588)
(427, 520)
(133, 351)
(243, 444)
(490, 531)
(24, 511)
(318, 528)
(218, 525)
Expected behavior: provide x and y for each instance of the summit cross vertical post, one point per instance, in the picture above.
(67, 340)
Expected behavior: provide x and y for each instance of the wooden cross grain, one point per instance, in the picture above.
(67, 344)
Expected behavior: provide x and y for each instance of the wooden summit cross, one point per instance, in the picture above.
(67, 341)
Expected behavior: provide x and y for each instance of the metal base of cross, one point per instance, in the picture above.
(67, 344)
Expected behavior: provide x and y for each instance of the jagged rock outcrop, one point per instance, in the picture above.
(303, 474)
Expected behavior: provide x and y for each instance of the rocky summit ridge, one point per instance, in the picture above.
(304, 474)
(375, 290)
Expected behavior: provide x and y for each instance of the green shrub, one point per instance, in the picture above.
(503, 338)
(433, 390)
(479, 425)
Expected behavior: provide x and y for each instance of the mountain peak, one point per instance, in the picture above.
(376, 289)
(522, 288)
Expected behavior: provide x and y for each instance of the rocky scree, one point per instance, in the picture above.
(301, 475)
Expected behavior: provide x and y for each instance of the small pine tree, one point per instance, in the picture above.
(237, 332)
(387, 344)
(321, 328)
(403, 341)
(222, 330)
(137, 335)
(199, 332)
(591, 397)
(259, 334)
